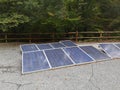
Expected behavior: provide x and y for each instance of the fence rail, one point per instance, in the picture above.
(76, 36)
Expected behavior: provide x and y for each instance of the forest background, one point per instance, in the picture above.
(20, 16)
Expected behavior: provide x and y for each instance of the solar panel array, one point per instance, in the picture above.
(36, 47)
(38, 57)
(112, 50)
(95, 53)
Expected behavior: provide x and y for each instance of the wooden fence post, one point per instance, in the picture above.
(29, 37)
(53, 36)
(76, 37)
(6, 37)
(101, 35)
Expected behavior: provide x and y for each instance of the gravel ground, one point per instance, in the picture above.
(96, 76)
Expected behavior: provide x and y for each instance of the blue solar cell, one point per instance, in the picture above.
(44, 46)
(111, 50)
(95, 53)
(57, 45)
(118, 45)
(57, 58)
(34, 61)
(68, 43)
(77, 55)
(29, 47)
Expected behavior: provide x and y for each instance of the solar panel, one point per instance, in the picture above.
(34, 61)
(44, 46)
(63, 53)
(68, 43)
(57, 45)
(111, 50)
(95, 53)
(78, 55)
(118, 45)
(28, 47)
(57, 57)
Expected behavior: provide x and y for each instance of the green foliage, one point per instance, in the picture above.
(59, 16)
(10, 16)
(12, 20)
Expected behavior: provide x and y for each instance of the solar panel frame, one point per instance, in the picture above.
(63, 42)
(104, 50)
(35, 70)
(37, 45)
(86, 53)
(117, 44)
(21, 47)
(57, 45)
(74, 64)
(82, 52)
(53, 67)
(65, 66)
(68, 56)
(28, 50)
(62, 48)
(98, 51)
(107, 52)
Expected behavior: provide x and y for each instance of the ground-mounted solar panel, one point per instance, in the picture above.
(57, 58)
(44, 46)
(28, 47)
(78, 56)
(57, 45)
(38, 57)
(34, 61)
(68, 43)
(95, 53)
(111, 50)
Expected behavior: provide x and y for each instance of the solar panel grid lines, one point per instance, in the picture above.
(34, 61)
(58, 58)
(31, 51)
(112, 50)
(50, 49)
(95, 53)
(58, 55)
(53, 48)
(28, 47)
(118, 45)
(68, 56)
(47, 59)
(86, 53)
(62, 44)
(37, 47)
(104, 51)
(44, 46)
(118, 48)
(68, 43)
(77, 55)
(51, 45)
(57, 45)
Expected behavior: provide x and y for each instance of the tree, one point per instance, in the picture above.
(62, 16)
(10, 16)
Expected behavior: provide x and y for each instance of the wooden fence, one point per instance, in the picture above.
(48, 37)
